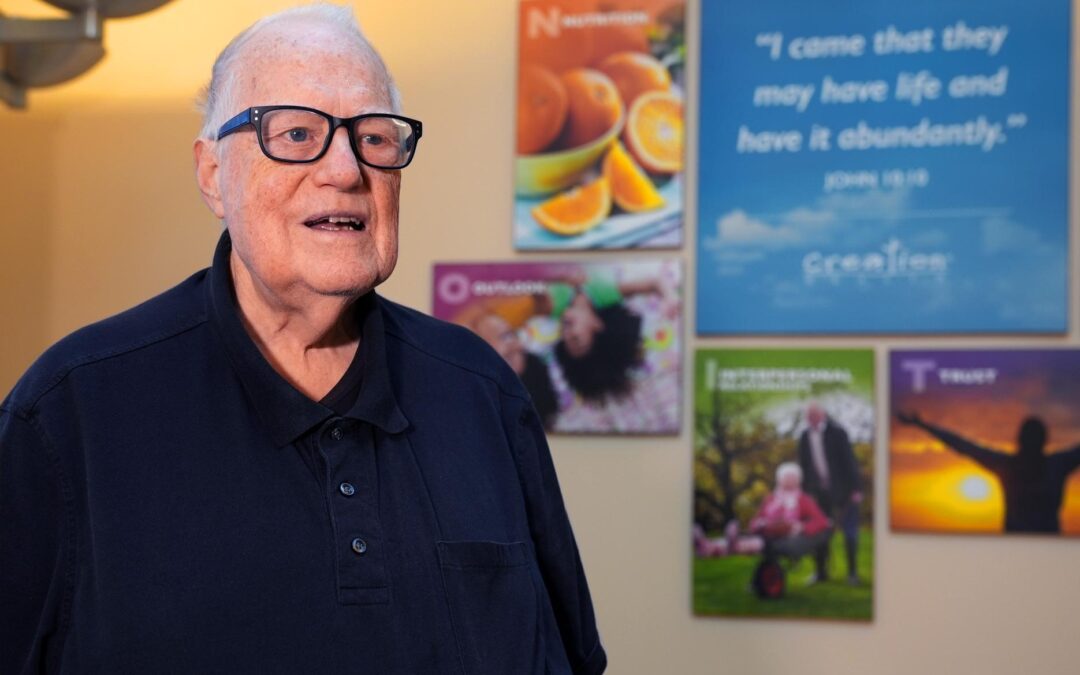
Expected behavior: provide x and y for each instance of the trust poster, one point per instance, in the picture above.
(883, 167)
(600, 126)
(597, 345)
(783, 483)
(985, 441)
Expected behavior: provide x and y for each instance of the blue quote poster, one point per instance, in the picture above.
(881, 167)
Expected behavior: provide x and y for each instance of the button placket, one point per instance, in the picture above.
(352, 491)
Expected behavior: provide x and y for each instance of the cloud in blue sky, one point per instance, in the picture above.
(806, 224)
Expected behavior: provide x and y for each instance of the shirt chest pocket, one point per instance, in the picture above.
(493, 593)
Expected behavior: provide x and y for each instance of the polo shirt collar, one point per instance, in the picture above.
(376, 403)
(286, 412)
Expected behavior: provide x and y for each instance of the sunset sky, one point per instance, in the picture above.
(933, 488)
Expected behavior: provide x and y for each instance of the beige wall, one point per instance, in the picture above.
(98, 210)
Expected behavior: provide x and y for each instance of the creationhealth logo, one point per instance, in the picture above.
(892, 261)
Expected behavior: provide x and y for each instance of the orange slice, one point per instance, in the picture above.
(654, 131)
(576, 210)
(631, 189)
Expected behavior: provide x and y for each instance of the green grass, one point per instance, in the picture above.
(722, 586)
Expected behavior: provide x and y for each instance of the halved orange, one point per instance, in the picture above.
(654, 131)
(631, 189)
(577, 210)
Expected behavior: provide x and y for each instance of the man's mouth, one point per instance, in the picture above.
(336, 224)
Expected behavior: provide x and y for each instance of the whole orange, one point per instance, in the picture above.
(634, 74)
(595, 106)
(542, 106)
(616, 38)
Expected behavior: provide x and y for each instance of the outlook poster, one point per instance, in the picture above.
(880, 167)
(596, 344)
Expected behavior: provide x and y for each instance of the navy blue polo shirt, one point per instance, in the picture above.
(170, 504)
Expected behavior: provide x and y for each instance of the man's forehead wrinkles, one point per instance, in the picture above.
(277, 70)
(302, 44)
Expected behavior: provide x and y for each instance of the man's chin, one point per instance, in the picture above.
(339, 276)
(349, 288)
(347, 292)
(344, 288)
(346, 280)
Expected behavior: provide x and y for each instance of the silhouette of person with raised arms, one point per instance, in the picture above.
(1032, 480)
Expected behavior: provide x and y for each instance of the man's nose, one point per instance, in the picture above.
(340, 166)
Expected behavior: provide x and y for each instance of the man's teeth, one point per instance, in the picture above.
(332, 223)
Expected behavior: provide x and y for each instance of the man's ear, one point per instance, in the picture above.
(206, 175)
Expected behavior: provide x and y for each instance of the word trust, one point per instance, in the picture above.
(924, 370)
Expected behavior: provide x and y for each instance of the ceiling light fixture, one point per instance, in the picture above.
(44, 52)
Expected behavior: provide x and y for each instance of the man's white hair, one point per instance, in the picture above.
(788, 469)
(218, 101)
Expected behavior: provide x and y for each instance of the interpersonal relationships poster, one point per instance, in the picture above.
(985, 441)
(869, 166)
(597, 344)
(760, 414)
(600, 124)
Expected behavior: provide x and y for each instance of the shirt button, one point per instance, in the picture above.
(336, 433)
(347, 489)
(359, 546)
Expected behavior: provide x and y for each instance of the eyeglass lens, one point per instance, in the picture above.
(300, 135)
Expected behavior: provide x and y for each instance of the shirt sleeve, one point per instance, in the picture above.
(849, 463)
(556, 551)
(35, 570)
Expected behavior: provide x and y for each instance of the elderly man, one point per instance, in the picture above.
(270, 469)
(831, 477)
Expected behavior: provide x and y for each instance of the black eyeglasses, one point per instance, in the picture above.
(295, 134)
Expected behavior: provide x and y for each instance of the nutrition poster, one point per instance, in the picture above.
(599, 153)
